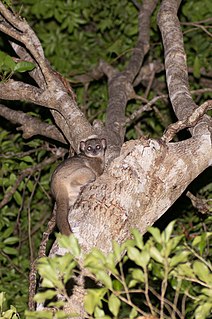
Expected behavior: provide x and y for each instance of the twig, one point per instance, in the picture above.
(148, 106)
(50, 227)
(31, 125)
(32, 285)
(199, 257)
(167, 302)
(192, 120)
(29, 217)
(144, 108)
(199, 203)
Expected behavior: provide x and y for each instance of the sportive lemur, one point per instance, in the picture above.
(74, 173)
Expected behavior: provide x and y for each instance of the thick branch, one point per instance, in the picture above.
(19, 29)
(30, 125)
(175, 64)
(52, 92)
(175, 59)
(120, 84)
(142, 46)
(16, 90)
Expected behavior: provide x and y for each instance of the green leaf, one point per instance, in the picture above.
(60, 314)
(166, 234)
(47, 283)
(48, 269)
(70, 243)
(128, 243)
(133, 313)
(43, 296)
(155, 232)
(201, 238)
(11, 240)
(99, 313)
(2, 300)
(138, 238)
(185, 270)
(138, 275)
(93, 298)
(196, 67)
(10, 314)
(57, 303)
(39, 314)
(203, 311)
(30, 185)
(156, 255)
(10, 251)
(104, 278)
(7, 232)
(27, 159)
(95, 260)
(145, 257)
(134, 254)
(132, 283)
(65, 261)
(201, 270)
(171, 244)
(201, 241)
(207, 292)
(111, 263)
(24, 66)
(6, 62)
(117, 285)
(117, 251)
(114, 304)
(17, 197)
(181, 257)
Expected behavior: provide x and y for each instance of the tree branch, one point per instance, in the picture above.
(188, 122)
(120, 83)
(175, 59)
(52, 92)
(175, 64)
(31, 125)
(18, 29)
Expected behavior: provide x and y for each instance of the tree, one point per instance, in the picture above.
(141, 182)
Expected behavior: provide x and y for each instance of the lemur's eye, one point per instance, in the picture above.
(98, 147)
(89, 148)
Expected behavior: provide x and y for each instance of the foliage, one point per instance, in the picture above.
(163, 275)
(24, 214)
(8, 66)
(7, 314)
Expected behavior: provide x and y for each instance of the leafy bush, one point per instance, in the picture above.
(25, 208)
(163, 276)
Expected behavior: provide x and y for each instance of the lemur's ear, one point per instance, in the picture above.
(104, 143)
(82, 146)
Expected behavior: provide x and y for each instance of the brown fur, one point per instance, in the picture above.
(74, 173)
